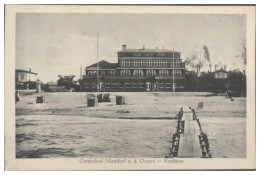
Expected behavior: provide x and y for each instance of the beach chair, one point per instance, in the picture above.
(200, 105)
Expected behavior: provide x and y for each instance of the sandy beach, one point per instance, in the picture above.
(139, 104)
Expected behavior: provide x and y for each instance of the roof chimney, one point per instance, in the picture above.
(156, 48)
(143, 47)
(124, 47)
(29, 70)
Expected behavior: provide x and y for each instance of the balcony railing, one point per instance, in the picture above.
(181, 65)
(134, 77)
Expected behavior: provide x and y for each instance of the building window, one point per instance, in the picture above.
(151, 72)
(145, 63)
(102, 73)
(225, 75)
(177, 72)
(218, 75)
(156, 63)
(171, 63)
(138, 73)
(160, 63)
(153, 63)
(141, 63)
(125, 73)
(221, 75)
(177, 63)
(137, 63)
(122, 63)
(149, 63)
(92, 72)
(164, 63)
(22, 76)
(134, 63)
(125, 63)
(111, 73)
(147, 54)
(128, 63)
(163, 72)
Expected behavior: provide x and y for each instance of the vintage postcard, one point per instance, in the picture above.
(103, 87)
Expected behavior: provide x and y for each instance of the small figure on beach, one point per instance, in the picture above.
(38, 86)
(17, 96)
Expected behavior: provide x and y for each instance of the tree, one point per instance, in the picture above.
(215, 66)
(220, 66)
(206, 55)
(195, 62)
(243, 53)
(66, 81)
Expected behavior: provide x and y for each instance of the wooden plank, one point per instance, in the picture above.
(187, 116)
(189, 146)
(196, 146)
(187, 127)
(191, 127)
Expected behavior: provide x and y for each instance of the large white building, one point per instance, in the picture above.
(138, 70)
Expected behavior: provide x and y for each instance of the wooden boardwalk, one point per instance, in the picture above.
(189, 145)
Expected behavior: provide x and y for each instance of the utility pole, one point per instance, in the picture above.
(173, 84)
(97, 66)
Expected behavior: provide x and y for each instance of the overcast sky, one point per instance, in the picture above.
(52, 44)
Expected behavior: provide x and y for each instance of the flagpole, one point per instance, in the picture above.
(97, 66)
(173, 84)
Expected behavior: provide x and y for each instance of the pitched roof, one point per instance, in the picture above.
(221, 70)
(148, 50)
(26, 71)
(104, 65)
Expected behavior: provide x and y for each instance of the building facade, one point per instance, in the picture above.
(221, 80)
(137, 70)
(22, 76)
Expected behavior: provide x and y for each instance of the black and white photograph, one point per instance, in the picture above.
(133, 88)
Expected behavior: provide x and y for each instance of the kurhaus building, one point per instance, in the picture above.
(137, 70)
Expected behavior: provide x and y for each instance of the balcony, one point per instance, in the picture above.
(168, 66)
(179, 77)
